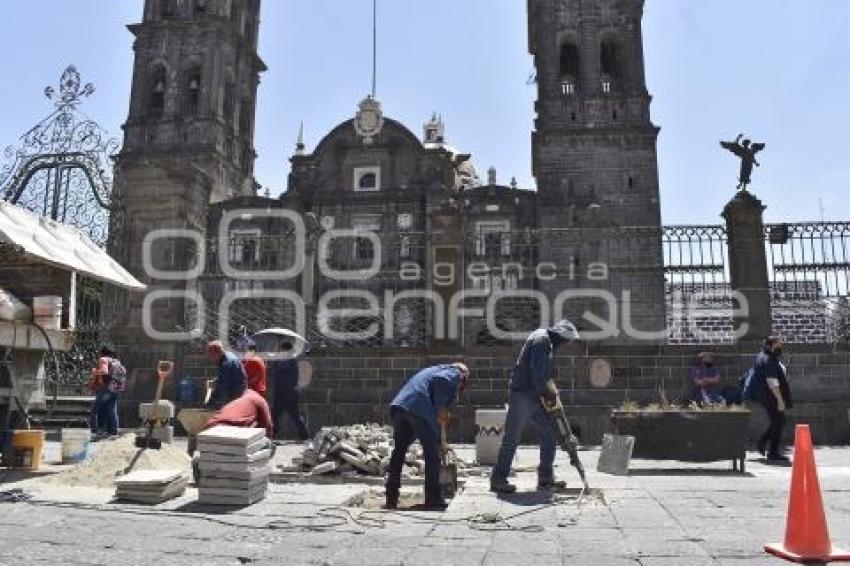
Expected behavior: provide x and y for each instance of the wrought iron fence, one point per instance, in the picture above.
(808, 266)
(61, 169)
(811, 258)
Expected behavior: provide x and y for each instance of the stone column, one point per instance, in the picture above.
(446, 231)
(748, 264)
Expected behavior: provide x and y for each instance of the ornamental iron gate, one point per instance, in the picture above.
(61, 170)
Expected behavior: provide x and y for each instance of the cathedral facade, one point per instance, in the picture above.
(388, 237)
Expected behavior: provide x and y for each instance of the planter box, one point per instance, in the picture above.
(687, 436)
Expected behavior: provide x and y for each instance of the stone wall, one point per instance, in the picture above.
(358, 386)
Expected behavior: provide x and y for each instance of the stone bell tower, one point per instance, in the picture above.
(188, 138)
(594, 147)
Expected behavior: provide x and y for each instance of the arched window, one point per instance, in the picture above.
(246, 110)
(229, 105)
(202, 8)
(610, 66)
(249, 30)
(404, 247)
(158, 88)
(569, 68)
(193, 92)
(167, 9)
(369, 182)
(367, 178)
(364, 249)
(606, 82)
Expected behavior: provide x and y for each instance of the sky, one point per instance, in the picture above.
(775, 70)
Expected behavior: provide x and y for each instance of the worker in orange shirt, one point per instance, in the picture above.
(255, 370)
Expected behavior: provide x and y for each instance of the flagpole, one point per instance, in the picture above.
(374, 47)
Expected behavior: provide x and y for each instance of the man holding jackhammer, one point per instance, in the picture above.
(529, 383)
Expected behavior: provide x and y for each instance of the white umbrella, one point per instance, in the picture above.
(271, 336)
(283, 332)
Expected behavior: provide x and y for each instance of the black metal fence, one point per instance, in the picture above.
(808, 266)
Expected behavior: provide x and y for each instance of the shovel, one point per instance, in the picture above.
(163, 372)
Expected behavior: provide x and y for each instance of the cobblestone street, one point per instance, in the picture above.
(665, 513)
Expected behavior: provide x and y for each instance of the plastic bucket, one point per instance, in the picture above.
(490, 430)
(75, 445)
(47, 312)
(28, 446)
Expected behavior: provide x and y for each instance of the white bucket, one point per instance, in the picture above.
(75, 445)
(47, 312)
(490, 430)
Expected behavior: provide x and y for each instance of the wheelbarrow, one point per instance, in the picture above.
(194, 421)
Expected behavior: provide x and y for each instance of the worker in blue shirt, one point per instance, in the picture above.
(230, 379)
(530, 380)
(767, 385)
(418, 412)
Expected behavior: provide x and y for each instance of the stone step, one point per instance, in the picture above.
(68, 412)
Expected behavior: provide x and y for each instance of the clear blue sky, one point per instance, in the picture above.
(774, 69)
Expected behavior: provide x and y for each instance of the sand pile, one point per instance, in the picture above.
(112, 457)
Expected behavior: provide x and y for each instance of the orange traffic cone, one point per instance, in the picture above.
(806, 535)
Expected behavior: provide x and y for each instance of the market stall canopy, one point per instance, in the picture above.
(62, 246)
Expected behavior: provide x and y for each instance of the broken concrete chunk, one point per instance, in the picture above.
(325, 468)
(365, 448)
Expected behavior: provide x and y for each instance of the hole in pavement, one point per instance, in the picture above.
(409, 499)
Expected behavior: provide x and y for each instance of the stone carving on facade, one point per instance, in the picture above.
(369, 120)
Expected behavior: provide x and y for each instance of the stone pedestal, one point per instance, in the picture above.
(748, 266)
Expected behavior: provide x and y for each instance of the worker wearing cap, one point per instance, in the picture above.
(530, 380)
(230, 379)
(418, 412)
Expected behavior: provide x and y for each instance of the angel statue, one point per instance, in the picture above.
(747, 152)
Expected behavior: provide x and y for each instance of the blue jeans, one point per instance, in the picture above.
(407, 427)
(104, 412)
(286, 401)
(525, 406)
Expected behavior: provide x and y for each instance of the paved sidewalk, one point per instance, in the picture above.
(663, 514)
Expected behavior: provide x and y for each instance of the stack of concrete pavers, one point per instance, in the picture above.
(151, 486)
(233, 465)
(163, 412)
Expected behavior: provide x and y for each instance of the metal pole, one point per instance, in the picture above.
(57, 187)
(374, 47)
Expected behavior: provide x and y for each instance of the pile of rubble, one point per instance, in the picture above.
(361, 449)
